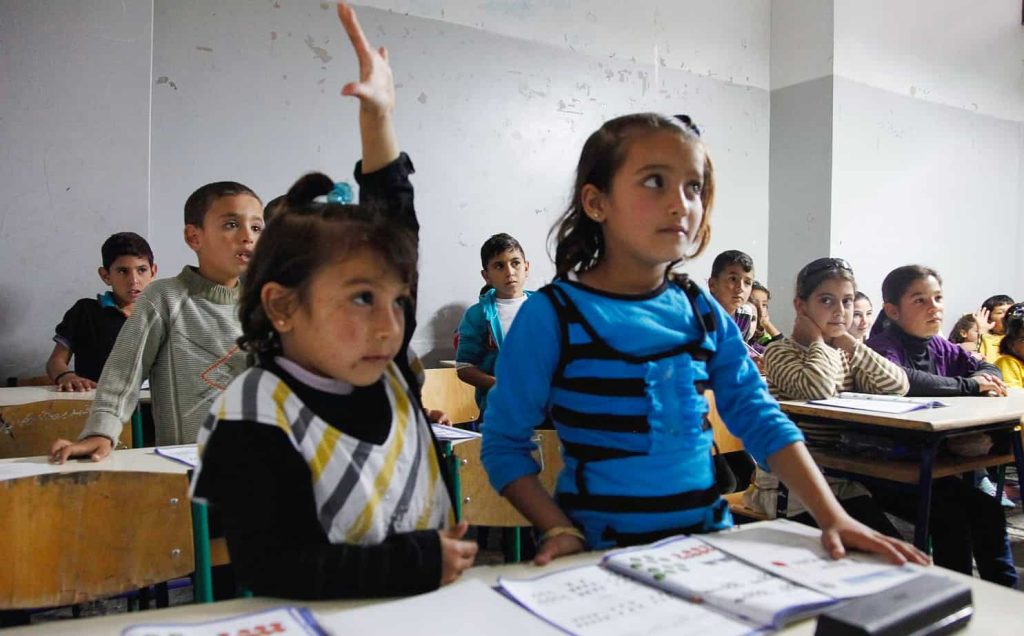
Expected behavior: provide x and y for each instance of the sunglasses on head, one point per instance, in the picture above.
(688, 123)
(823, 265)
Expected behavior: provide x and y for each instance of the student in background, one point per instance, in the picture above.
(90, 327)
(907, 334)
(1011, 348)
(966, 334)
(616, 353)
(766, 332)
(990, 325)
(964, 520)
(863, 316)
(485, 324)
(320, 460)
(732, 279)
(817, 361)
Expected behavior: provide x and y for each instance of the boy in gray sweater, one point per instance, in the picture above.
(182, 332)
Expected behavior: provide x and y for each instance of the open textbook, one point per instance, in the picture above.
(735, 582)
(878, 403)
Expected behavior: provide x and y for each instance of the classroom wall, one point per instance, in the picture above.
(929, 99)
(494, 104)
(74, 125)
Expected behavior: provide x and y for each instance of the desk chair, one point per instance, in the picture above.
(726, 442)
(479, 504)
(442, 389)
(27, 430)
(75, 537)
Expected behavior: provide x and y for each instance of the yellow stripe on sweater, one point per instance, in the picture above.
(383, 479)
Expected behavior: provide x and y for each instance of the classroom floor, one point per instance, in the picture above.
(492, 554)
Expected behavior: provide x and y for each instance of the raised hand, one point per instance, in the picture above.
(376, 86)
(985, 322)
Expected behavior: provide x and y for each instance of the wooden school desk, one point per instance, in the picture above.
(996, 608)
(146, 460)
(925, 429)
(15, 395)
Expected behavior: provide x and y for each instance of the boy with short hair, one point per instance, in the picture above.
(990, 325)
(766, 331)
(485, 324)
(732, 279)
(89, 329)
(182, 331)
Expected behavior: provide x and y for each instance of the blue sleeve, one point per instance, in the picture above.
(741, 395)
(518, 401)
(472, 336)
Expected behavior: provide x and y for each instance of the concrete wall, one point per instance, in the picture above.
(494, 104)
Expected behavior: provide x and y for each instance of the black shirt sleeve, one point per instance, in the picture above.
(923, 383)
(67, 330)
(261, 489)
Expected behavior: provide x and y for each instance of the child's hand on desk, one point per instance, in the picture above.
(95, 447)
(990, 385)
(376, 86)
(851, 533)
(456, 554)
(557, 546)
(73, 382)
(437, 416)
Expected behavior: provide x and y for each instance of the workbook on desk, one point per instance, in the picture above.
(295, 621)
(733, 582)
(187, 454)
(879, 403)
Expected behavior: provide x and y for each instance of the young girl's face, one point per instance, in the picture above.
(919, 312)
(830, 306)
(863, 316)
(351, 323)
(652, 212)
(971, 335)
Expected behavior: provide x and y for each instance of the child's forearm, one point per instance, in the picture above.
(476, 377)
(58, 362)
(533, 502)
(380, 145)
(796, 468)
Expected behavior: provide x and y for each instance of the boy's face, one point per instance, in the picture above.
(731, 288)
(507, 273)
(997, 315)
(127, 277)
(225, 242)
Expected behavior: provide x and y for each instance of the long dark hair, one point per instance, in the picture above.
(579, 241)
(1013, 329)
(895, 285)
(305, 235)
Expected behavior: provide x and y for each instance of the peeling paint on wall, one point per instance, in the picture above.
(163, 79)
(319, 52)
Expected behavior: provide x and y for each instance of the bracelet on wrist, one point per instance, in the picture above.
(56, 380)
(558, 531)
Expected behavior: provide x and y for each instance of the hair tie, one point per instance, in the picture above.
(688, 122)
(340, 194)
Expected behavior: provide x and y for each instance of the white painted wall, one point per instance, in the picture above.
(802, 40)
(74, 133)
(962, 53)
(918, 182)
(493, 120)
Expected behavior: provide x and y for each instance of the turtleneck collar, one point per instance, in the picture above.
(918, 355)
(206, 288)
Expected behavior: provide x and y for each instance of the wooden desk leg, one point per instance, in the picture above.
(924, 493)
(201, 540)
(137, 427)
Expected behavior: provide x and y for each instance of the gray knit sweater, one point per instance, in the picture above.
(181, 335)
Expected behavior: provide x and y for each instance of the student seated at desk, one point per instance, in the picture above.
(1011, 359)
(731, 283)
(766, 332)
(319, 459)
(485, 324)
(182, 331)
(863, 316)
(818, 360)
(964, 520)
(89, 329)
(991, 325)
